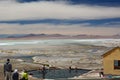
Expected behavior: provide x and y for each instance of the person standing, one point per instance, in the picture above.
(70, 69)
(43, 71)
(101, 73)
(8, 70)
(15, 75)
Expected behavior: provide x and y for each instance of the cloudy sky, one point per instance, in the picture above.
(92, 17)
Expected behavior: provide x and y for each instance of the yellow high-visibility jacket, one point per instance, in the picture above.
(25, 75)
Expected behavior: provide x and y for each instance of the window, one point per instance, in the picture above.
(116, 64)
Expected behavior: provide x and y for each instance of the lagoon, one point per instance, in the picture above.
(59, 73)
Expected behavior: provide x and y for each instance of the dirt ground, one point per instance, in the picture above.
(20, 66)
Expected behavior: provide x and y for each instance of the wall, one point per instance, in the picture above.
(108, 62)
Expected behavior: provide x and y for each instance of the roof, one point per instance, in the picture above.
(110, 51)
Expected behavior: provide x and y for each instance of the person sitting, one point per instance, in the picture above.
(15, 75)
(24, 75)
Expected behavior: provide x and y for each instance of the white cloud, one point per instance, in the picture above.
(61, 29)
(12, 10)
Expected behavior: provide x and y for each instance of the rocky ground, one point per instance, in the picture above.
(62, 56)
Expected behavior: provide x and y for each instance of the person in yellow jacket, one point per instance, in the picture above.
(24, 75)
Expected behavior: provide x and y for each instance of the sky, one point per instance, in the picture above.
(69, 17)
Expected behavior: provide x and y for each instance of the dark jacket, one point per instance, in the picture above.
(15, 76)
(8, 67)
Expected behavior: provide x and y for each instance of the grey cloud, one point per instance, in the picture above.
(12, 10)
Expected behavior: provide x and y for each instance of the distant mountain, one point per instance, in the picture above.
(55, 36)
(97, 36)
(33, 35)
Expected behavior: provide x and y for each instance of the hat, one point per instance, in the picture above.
(15, 70)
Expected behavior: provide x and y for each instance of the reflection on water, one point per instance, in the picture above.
(59, 73)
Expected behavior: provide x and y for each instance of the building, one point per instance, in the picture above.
(111, 61)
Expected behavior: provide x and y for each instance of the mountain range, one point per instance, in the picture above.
(55, 36)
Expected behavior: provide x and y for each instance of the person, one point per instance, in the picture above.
(24, 75)
(101, 74)
(15, 75)
(70, 69)
(8, 70)
(43, 71)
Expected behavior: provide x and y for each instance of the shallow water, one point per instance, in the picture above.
(59, 73)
